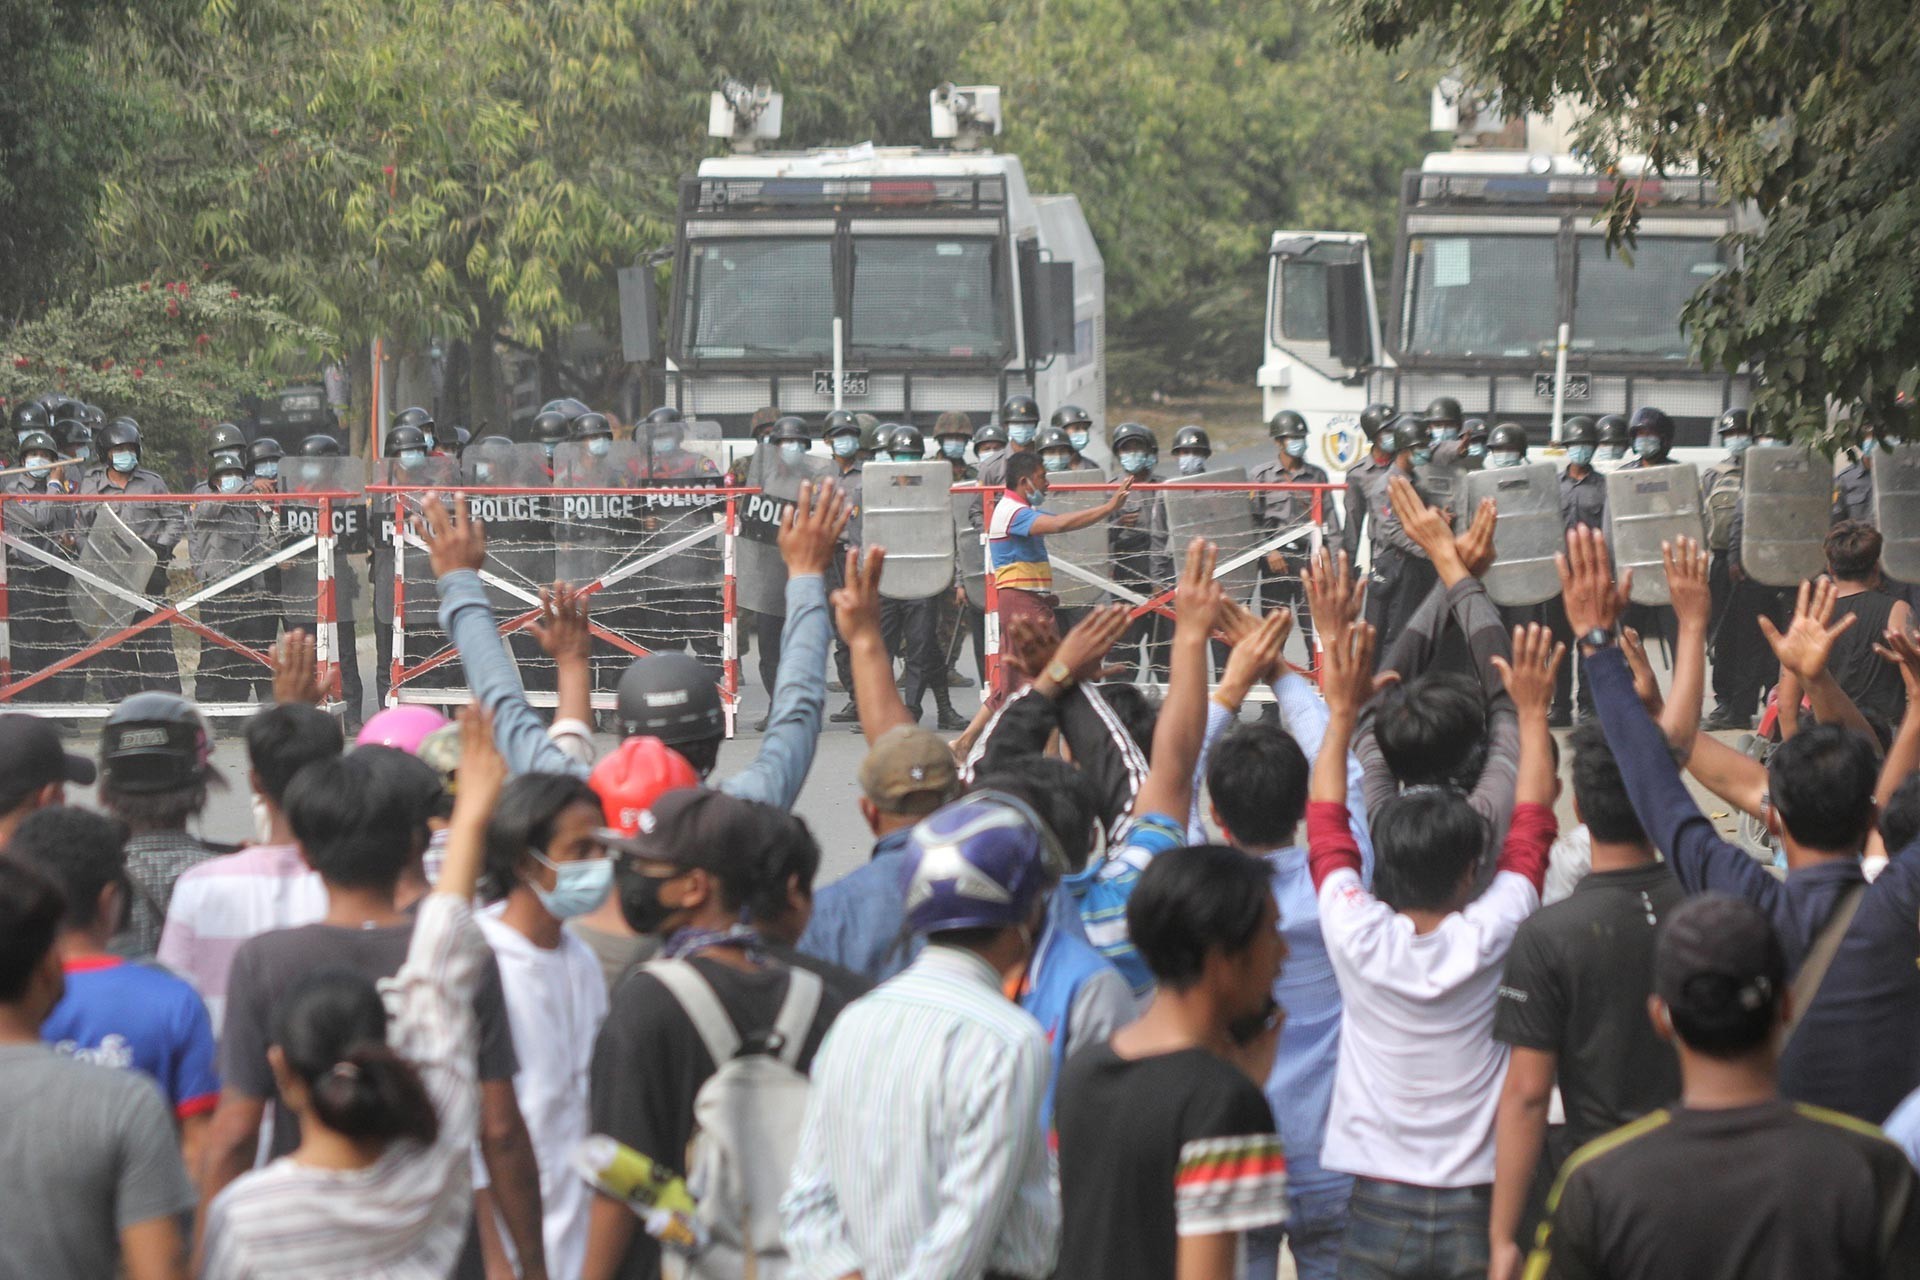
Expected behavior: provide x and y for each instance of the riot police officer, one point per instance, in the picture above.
(550, 430)
(1506, 446)
(911, 627)
(1191, 449)
(225, 438)
(222, 539)
(1020, 419)
(145, 660)
(1739, 650)
(989, 441)
(841, 430)
(263, 463)
(1373, 418)
(1443, 419)
(1281, 511)
(1137, 539)
(1392, 450)
(1078, 424)
(1401, 575)
(41, 625)
(953, 431)
(682, 608)
(1650, 437)
(1056, 451)
(1610, 438)
(1583, 502)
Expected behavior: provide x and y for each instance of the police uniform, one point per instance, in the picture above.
(1280, 511)
(40, 621)
(849, 479)
(423, 635)
(1137, 538)
(222, 539)
(1853, 492)
(146, 660)
(1401, 575)
(686, 611)
(1741, 655)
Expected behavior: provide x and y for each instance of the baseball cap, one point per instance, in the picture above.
(1719, 966)
(696, 827)
(31, 755)
(909, 770)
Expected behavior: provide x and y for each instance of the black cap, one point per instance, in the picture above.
(31, 754)
(1718, 965)
(698, 827)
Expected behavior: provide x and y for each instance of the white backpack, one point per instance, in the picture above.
(746, 1128)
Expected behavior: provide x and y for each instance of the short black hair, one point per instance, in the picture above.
(794, 857)
(424, 785)
(31, 906)
(1060, 794)
(1193, 900)
(1425, 842)
(1853, 550)
(1821, 781)
(523, 819)
(81, 851)
(1137, 710)
(1599, 790)
(157, 810)
(357, 820)
(285, 738)
(1900, 816)
(1023, 466)
(1432, 730)
(1257, 780)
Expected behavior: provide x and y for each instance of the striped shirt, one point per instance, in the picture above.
(1019, 555)
(222, 902)
(922, 1156)
(405, 1215)
(155, 862)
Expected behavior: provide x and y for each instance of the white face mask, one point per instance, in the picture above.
(986, 451)
(1190, 464)
(1021, 432)
(953, 450)
(267, 470)
(1133, 463)
(231, 483)
(1504, 458)
(1054, 460)
(598, 446)
(40, 468)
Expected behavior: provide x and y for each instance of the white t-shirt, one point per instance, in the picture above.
(1419, 1074)
(556, 1001)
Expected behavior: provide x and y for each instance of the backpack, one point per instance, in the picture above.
(1722, 503)
(746, 1133)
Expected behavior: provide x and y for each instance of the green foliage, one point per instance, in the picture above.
(1811, 113)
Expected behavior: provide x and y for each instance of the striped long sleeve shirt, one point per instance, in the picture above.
(922, 1156)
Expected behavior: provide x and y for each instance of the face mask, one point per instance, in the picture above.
(1446, 433)
(1056, 461)
(482, 471)
(124, 460)
(1646, 446)
(1613, 453)
(1297, 447)
(954, 450)
(598, 446)
(844, 446)
(908, 457)
(1036, 495)
(667, 444)
(83, 452)
(1580, 455)
(1737, 445)
(310, 472)
(231, 483)
(791, 451)
(1021, 433)
(1504, 458)
(1423, 456)
(1190, 464)
(267, 470)
(986, 451)
(640, 903)
(578, 887)
(39, 470)
(1080, 440)
(1476, 450)
(413, 459)
(1135, 462)
(1765, 440)
(429, 439)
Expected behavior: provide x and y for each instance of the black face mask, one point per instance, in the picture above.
(640, 901)
(1246, 1030)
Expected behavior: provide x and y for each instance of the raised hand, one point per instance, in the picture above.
(1594, 601)
(856, 603)
(1084, 651)
(1346, 680)
(810, 531)
(1808, 642)
(562, 629)
(1334, 592)
(1196, 600)
(1256, 655)
(295, 679)
(1474, 546)
(1903, 649)
(1428, 526)
(1529, 676)
(1644, 682)
(1686, 564)
(455, 540)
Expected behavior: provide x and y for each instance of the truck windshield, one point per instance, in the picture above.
(769, 297)
(1481, 295)
(1613, 303)
(928, 295)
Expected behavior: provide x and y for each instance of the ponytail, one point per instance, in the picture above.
(331, 1028)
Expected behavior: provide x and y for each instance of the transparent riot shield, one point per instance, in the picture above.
(1086, 548)
(1442, 486)
(699, 463)
(970, 553)
(591, 531)
(1785, 507)
(760, 575)
(114, 553)
(353, 537)
(1645, 507)
(436, 477)
(1896, 507)
(1222, 516)
(519, 524)
(1529, 532)
(907, 508)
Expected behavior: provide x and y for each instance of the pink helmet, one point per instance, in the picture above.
(402, 728)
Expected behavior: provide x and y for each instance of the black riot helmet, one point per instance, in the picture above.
(154, 742)
(1442, 409)
(1579, 429)
(1287, 424)
(1649, 421)
(227, 460)
(840, 422)
(660, 417)
(1398, 436)
(461, 439)
(93, 415)
(550, 426)
(590, 426)
(225, 438)
(1135, 433)
(415, 417)
(121, 433)
(1192, 438)
(792, 426)
(37, 442)
(1020, 409)
(403, 438)
(672, 697)
(1508, 435)
(1612, 429)
(1474, 430)
(1374, 417)
(1051, 437)
(989, 433)
(566, 406)
(1732, 422)
(1068, 416)
(908, 438)
(31, 416)
(320, 445)
(265, 449)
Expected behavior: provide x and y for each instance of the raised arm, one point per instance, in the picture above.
(1183, 716)
(856, 611)
(565, 635)
(1047, 523)
(1686, 565)
(1347, 680)
(1529, 679)
(1902, 647)
(1805, 649)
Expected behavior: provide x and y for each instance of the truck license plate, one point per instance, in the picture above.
(854, 382)
(1579, 386)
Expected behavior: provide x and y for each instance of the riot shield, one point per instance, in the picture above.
(519, 524)
(1784, 512)
(1896, 510)
(1084, 547)
(699, 463)
(1529, 532)
(434, 478)
(760, 575)
(1645, 507)
(115, 553)
(301, 518)
(908, 510)
(1443, 486)
(704, 439)
(970, 553)
(1222, 516)
(592, 531)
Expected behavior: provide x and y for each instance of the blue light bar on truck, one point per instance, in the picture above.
(716, 194)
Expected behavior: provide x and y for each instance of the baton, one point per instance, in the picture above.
(64, 462)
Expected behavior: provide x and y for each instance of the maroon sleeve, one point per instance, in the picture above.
(1528, 840)
(1330, 843)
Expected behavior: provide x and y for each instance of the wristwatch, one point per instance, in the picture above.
(1058, 672)
(1599, 638)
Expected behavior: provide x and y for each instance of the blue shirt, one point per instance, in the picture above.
(1903, 1126)
(1101, 891)
(118, 1013)
(859, 920)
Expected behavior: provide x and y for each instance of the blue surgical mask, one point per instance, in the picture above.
(1737, 445)
(578, 887)
(845, 446)
(231, 483)
(429, 439)
(1423, 456)
(1080, 439)
(1613, 453)
(1056, 461)
(1580, 455)
(666, 444)
(483, 471)
(953, 449)
(84, 452)
(269, 470)
(1646, 446)
(1296, 447)
(1445, 433)
(1476, 450)
(1505, 458)
(413, 459)
(39, 470)
(124, 460)
(1135, 462)
(1021, 432)
(1190, 464)
(791, 451)
(908, 457)
(598, 446)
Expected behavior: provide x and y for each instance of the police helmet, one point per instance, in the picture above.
(225, 437)
(265, 449)
(840, 422)
(590, 426)
(566, 406)
(37, 442)
(1442, 409)
(1733, 421)
(989, 433)
(872, 434)
(908, 438)
(320, 445)
(1612, 429)
(792, 427)
(461, 439)
(1508, 435)
(121, 433)
(1070, 415)
(1374, 417)
(1135, 433)
(953, 424)
(659, 417)
(1579, 429)
(1192, 438)
(1051, 437)
(1397, 437)
(1649, 419)
(1410, 430)
(154, 742)
(415, 417)
(550, 426)
(93, 415)
(1286, 424)
(227, 460)
(1020, 409)
(669, 696)
(31, 416)
(403, 438)
(1474, 429)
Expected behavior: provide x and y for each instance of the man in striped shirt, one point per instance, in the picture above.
(922, 1154)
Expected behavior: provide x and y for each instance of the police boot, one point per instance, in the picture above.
(950, 721)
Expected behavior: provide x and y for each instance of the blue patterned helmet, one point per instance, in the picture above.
(981, 862)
